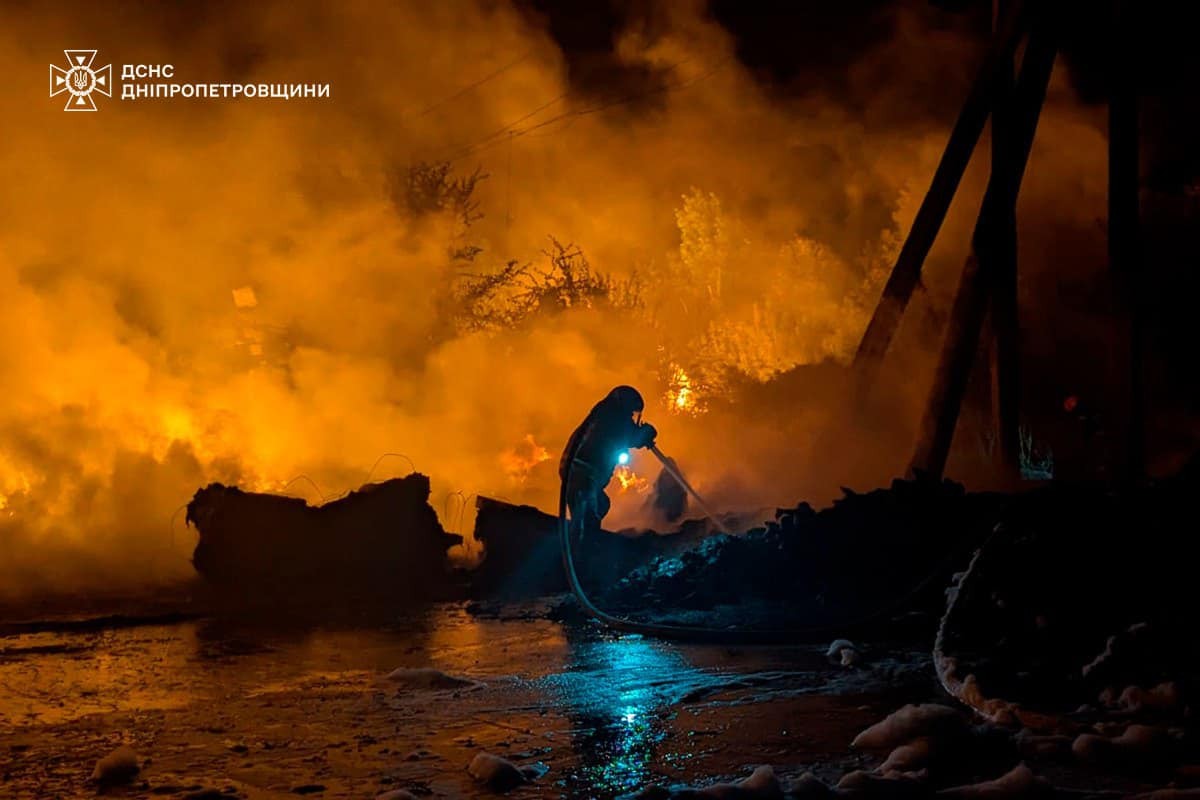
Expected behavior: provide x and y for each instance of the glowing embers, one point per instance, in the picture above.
(681, 395)
(517, 461)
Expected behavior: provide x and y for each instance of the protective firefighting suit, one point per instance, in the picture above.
(611, 428)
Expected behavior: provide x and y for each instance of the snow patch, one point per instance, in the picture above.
(1032, 745)
(429, 679)
(119, 766)
(500, 774)
(1163, 697)
(909, 757)
(762, 784)
(809, 787)
(843, 652)
(911, 722)
(1137, 744)
(861, 783)
(1017, 782)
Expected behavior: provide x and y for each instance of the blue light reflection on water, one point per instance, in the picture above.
(617, 694)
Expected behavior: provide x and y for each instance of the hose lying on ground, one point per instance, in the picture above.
(965, 688)
(810, 634)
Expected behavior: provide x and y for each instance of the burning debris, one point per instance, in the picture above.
(383, 536)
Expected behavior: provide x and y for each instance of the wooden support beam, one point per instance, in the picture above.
(989, 245)
(1128, 430)
(906, 273)
(1005, 352)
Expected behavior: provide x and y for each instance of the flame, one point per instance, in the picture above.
(681, 394)
(518, 460)
(630, 480)
(13, 485)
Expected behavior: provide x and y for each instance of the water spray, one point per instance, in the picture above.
(669, 466)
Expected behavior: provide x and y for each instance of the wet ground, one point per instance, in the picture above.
(256, 711)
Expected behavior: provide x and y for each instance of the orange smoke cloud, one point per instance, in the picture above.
(238, 291)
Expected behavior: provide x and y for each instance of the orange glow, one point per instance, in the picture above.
(519, 460)
(247, 292)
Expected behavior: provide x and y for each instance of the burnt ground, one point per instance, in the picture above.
(254, 711)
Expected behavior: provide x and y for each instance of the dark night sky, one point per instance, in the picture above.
(795, 46)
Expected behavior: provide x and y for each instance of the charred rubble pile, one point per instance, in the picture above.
(384, 536)
(1071, 632)
(867, 555)
(1080, 610)
(1069, 637)
(523, 555)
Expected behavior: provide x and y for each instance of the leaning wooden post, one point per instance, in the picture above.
(907, 271)
(975, 286)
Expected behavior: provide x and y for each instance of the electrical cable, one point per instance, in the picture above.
(493, 139)
(474, 85)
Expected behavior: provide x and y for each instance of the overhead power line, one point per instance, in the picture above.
(510, 130)
(474, 85)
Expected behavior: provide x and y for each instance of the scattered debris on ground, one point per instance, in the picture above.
(501, 775)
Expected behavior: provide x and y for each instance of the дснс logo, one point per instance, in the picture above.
(80, 80)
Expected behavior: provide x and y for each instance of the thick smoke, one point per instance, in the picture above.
(242, 291)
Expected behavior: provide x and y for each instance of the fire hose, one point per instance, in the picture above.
(669, 466)
(730, 635)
